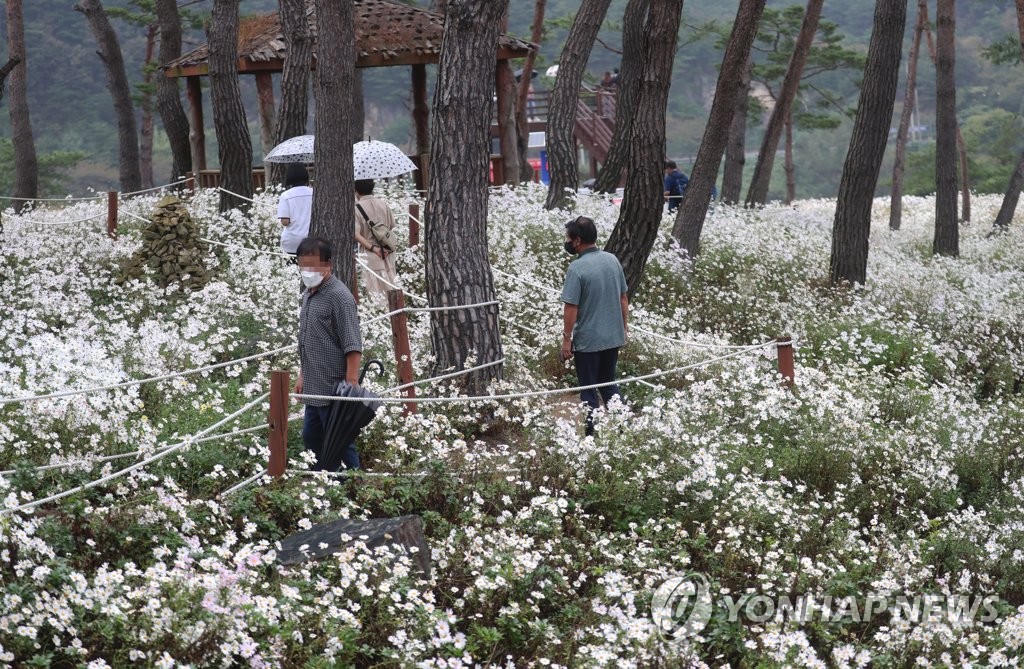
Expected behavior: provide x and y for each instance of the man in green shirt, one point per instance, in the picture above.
(596, 308)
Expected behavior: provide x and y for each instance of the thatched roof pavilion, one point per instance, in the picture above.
(388, 33)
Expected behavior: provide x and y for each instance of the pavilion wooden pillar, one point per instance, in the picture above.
(265, 95)
(197, 136)
(421, 120)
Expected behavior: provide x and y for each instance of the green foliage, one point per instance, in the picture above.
(53, 169)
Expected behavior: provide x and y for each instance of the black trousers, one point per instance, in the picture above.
(596, 367)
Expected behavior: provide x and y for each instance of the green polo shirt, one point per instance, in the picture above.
(595, 283)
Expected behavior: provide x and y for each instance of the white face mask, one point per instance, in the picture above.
(311, 279)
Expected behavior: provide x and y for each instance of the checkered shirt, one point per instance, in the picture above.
(328, 330)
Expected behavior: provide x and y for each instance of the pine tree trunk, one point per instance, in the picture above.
(334, 195)
(633, 50)
(735, 148)
(234, 146)
(640, 214)
(26, 166)
(909, 100)
(168, 96)
(694, 205)
(1010, 199)
(6, 70)
(109, 51)
(146, 131)
(358, 126)
(852, 226)
(964, 176)
(1012, 196)
(758, 192)
(788, 165)
(523, 93)
(293, 110)
(562, 165)
(458, 269)
(946, 240)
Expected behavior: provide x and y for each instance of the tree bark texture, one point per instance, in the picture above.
(947, 240)
(1012, 196)
(965, 192)
(293, 109)
(640, 214)
(109, 51)
(634, 33)
(909, 100)
(694, 205)
(758, 192)
(265, 109)
(6, 70)
(26, 166)
(562, 167)
(358, 126)
(852, 225)
(146, 130)
(334, 195)
(458, 270)
(168, 95)
(735, 148)
(234, 146)
(523, 93)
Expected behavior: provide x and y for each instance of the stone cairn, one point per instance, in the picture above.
(171, 249)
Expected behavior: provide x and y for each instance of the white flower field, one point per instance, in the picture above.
(893, 468)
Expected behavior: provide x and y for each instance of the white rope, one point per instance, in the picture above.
(454, 307)
(366, 268)
(442, 377)
(155, 188)
(238, 486)
(80, 220)
(121, 456)
(139, 465)
(164, 377)
(528, 283)
(538, 393)
(242, 197)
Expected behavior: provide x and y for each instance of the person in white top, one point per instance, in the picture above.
(295, 207)
(379, 260)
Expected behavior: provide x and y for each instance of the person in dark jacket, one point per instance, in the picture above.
(675, 185)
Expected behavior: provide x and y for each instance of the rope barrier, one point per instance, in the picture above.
(164, 377)
(245, 248)
(366, 268)
(139, 465)
(442, 377)
(537, 393)
(121, 456)
(80, 220)
(454, 307)
(154, 188)
(238, 486)
(242, 197)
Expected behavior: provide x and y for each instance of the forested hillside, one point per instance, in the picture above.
(72, 111)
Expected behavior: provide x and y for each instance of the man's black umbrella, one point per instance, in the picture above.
(347, 419)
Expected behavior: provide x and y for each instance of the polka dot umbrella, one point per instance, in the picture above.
(379, 160)
(295, 150)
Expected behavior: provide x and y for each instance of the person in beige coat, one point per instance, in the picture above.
(379, 260)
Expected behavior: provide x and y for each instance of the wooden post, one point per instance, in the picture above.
(784, 347)
(197, 135)
(414, 225)
(420, 108)
(265, 96)
(112, 214)
(400, 338)
(277, 418)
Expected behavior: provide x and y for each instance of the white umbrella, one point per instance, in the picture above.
(379, 160)
(295, 150)
(552, 71)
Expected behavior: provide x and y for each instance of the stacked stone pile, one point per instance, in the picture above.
(171, 249)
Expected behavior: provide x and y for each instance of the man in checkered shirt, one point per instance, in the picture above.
(330, 346)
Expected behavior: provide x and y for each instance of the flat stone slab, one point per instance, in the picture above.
(333, 537)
